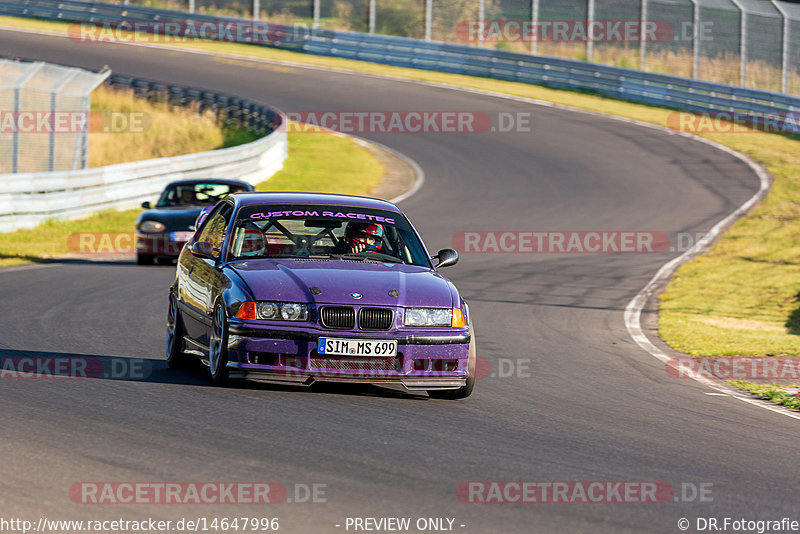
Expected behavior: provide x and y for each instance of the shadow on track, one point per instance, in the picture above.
(43, 365)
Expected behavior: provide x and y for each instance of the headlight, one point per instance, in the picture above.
(151, 227)
(268, 310)
(273, 311)
(294, 312)
(286, 311)
(428, 317)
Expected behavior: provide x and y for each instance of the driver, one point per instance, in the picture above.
(187, 196)
(363, 237)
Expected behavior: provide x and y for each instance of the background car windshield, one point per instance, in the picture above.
(202, 194)
(275, 231)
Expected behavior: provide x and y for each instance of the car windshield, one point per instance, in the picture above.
(325, 232)
(200, 194)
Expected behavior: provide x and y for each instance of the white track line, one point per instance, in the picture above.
(634, 309)
(419, 174)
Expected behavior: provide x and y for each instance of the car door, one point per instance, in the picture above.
(202, 277)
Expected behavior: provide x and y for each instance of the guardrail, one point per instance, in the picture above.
(638, 86)
(27, 199)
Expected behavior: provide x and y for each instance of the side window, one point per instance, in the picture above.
(214, 229)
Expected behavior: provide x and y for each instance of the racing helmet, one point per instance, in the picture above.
(356, 233)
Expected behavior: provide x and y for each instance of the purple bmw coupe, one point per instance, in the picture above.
(302, 288)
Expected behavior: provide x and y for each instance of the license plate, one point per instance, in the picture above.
(180, 236)
(356, 347)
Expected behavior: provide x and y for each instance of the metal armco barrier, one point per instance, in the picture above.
(638, 86)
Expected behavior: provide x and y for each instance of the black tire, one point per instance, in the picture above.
(144, 259)
(218, 346)
(466, 390)
(176, 358)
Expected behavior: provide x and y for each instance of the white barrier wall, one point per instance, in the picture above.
(28, 199)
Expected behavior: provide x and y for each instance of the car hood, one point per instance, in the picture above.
(177, 218)
(291, 280)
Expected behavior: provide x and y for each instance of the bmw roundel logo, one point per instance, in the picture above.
(356, 295)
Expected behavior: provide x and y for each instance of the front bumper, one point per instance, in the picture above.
(425, 360)
(161, 245)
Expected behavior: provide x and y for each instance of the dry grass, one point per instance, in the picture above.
(151, 129)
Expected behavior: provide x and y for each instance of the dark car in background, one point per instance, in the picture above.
(163, 229)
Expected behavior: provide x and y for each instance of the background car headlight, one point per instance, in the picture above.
(428, 317)
(151, 227)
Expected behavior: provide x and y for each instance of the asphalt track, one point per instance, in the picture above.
(594, 406)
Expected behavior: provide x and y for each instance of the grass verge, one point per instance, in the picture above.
(739, 299)
(317, 162)
(770, 392)
(328, 163)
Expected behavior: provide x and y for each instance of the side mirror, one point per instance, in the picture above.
(204, 249)
(446, 257)
(146, 205)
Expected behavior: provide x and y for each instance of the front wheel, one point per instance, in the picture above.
(175, 355)
(466, 390)
(218, 347)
